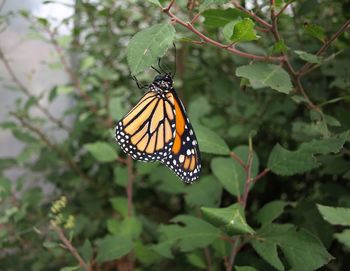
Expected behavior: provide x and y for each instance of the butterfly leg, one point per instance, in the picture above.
(138, 83)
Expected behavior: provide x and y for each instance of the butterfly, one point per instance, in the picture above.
(158, 129)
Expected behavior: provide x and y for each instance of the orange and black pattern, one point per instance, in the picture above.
(157, 129)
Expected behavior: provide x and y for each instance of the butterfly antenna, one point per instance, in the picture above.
(156, 70)
(164, 67)
(174, 61)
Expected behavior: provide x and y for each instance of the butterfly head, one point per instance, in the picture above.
(163, 81)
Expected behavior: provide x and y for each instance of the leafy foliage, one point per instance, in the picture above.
(274, 139)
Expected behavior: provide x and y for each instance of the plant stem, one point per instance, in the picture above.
(26, 91)
(57, 149)
(309, 66)
(129, 187)
(234, 251)
(68, 245)
(208, 40)
(252, 15)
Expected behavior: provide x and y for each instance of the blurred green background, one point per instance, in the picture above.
(64, 85)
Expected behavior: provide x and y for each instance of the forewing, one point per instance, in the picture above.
(184, 158)
(147, 132)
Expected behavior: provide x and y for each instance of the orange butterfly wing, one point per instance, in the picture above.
(184, 158)
(147, 131)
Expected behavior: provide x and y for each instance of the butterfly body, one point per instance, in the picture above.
(157, 129)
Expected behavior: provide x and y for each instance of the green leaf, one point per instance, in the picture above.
(308, 57)
(102, 151)
(335, 215)
(5, 187)
(230, 219)
(147, 45)
(116, 108)
(167, 181)
(303, 251)
(266, 75)
(145, 254)
(315, 31)
(131, 227)
(113, 247)
(323, 146)
(113, 226)
(196, 260)
(214, 18)
(207, 192)
(207, 3)
(70, 268)
(229, 174)
(87, 63)
(64, 89)
(209, 141)
(199, 108)
(50, 245)
(287, 163)
(240, 30)
(196, 233)
(121, 176)
(120, 204)
(245, 268)
(343, 237)
(86, 250)
(156, 2)
(279, 47)
(270, 211)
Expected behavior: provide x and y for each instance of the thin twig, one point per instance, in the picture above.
(237, 158)
(252, 15)
(26, 91)
(208, 258)
(66, 158)
(302, 91)
(73, 77)
(309, 66)
(208, 40)
(169, 6)
(234, 251)
(2, 4)
(275, 33)
(283, 9)
(260, 175)
(248, 171)
(129, 187)
(68, 245)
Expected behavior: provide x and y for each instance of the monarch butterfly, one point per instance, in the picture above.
(157, 129)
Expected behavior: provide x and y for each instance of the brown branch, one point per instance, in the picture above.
(309, 66)
(252, 15)
(283, 9)
(26, 91)
(68, 245)
(276, 34)
(208, 258)
(248, 171)
(238, 159)
(260, 175)
(208, 40)
(129, 187)
(169, 6)
(310, 104)
(73, 77)
(67, 159)
(234, 252)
